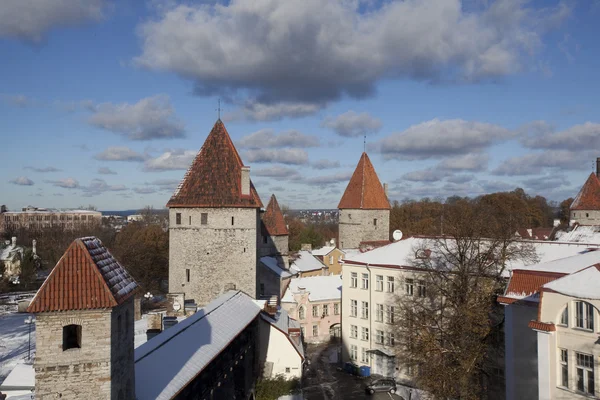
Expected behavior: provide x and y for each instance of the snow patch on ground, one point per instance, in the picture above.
(14, 342)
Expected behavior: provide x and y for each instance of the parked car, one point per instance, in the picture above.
(381, 385)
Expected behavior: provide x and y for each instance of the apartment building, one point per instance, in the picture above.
(35, 218)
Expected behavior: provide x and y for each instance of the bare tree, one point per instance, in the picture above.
(446, 335)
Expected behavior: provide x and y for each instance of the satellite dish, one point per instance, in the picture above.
(397, 235)
(332, 242)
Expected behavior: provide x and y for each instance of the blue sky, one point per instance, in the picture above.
(106, 103)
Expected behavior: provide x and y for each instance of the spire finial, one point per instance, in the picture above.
(219, 108)
(365, 144)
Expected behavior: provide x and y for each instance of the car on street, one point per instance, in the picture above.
(381, 385)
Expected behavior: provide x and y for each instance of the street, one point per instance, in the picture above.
(324, 381)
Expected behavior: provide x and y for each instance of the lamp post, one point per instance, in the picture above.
(29, 321)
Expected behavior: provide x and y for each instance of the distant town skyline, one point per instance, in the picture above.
(107, 103)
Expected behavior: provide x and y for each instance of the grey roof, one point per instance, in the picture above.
(168, 362)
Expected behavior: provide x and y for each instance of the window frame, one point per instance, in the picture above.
(585, 374)
(563, 367)
(353, 308)
(325, 310)
(421, 288)
(177, 218)
(301, 313)
(564, 317)
(379, 283)
(390, 284)
(353, 352)
(72, 335)
(409, 286)
(379, 336)
(203, 218)
(586, 318)
(364, 333)
(364, 310)
(336, 308)
(353, 279)
(353, 331)
(315, 311)
(315, 330)
(379, 312)
(364, 281)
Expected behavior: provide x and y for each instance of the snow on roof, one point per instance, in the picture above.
(323, 251)
(584, 284)
(580, 234)
(306, 262)
(169, 361)
(9, 252)
(319, 288)
(21, 377)
(271, 263)
(567, 264)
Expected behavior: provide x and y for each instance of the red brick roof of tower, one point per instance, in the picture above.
(86, 277)
(588, 197)
(364, 190)
(215, 177)
(273, 219)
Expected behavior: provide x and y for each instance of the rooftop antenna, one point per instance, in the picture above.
(365, 144)
(219, 108)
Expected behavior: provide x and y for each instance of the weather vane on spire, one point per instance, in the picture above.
(365, 144)
(219, 108)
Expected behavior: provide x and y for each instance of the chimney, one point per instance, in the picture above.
(245, 181)
(14, 241)
(598, 167)
(385, 189)
(33, 247)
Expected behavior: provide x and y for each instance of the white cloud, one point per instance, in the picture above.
(325, 164)
(99, 186)
(436, 138)
(43, 169)
(535, 163)
(106, 171)
(327, 180)
(144, 190)
(67, 183)
(30, 20)
(467, 162)
(171, 160)
(276, 172)
(120, 153)
(283, 156)
(425, 175)
(543, 136)
(268, 138)
(22, 180)
(353, 124)
(257, 111)
(150, 118)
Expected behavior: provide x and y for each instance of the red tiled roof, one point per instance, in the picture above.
(524, 283)
(364, 190)
(542, 326)
(588, 197)
(215, 177)
(273, 219)
(86, 277)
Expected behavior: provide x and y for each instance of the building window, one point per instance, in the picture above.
(584, 315)
(379, 283)
(204, 218)
(364, 333)
(375, 221)
(587, 215)
(330, 260)
(315, 311)
(409, 285)
(421, 292)
(353, 308)
(390, 284)
(353, 279)
(287, 370)
(389, 314)
(315, 330)
(353, 331)
(564, 368)
(379, 312)
(353, 352)
(301, 313)
(379, 337)
(190, 220)
(564, 317)
(325, 310)
(585, 373)
(232, 221)
(187, 275)
(178, 219)
(365, 310)
(364, 355)
(71, 337)
(365, 281)
(336, 309)
(390, 339)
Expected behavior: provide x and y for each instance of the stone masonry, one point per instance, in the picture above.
(357, 226)
(103, 368)
(220, 254)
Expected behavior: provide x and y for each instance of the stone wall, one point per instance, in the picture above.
(585, 217)
(358, 226)
(218, 254)
(98, 369)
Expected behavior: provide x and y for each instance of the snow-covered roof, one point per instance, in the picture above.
(319, 288)
(169, 361)
(584, 284)
(581, 234)
(271, 263)
(568, 264)
(306, 262)
(21, 377)
(323, 251)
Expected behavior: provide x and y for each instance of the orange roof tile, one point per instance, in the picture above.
(215, 177)
(542, 326)
(273, 219)
(86, 277)
(588, 197)
(524, 283)
(364, 190)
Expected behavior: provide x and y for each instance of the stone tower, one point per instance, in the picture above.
(364, 208)
(274, 233)
(585, 209)
(84, 327)
(214, 224)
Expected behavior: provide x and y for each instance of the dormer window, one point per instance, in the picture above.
(71, 337)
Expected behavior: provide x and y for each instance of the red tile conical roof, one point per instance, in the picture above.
(588, 197)
(86, 277)
(364, 190)
(215, 177)
(273, 220)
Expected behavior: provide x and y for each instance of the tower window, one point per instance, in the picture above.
(232, 221)
(265, 239)
(178, 218)
(375, 221)
(187, 275)
(190, 219)
(71, 337)
(204, 218)
(349, 216)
